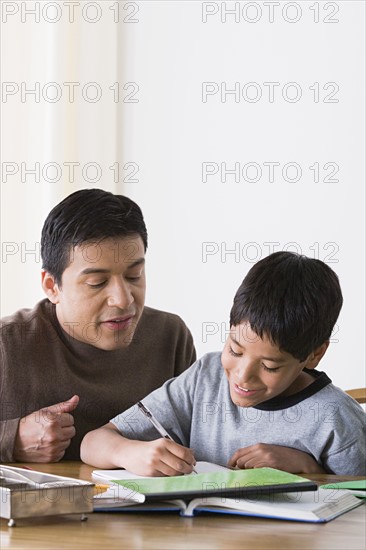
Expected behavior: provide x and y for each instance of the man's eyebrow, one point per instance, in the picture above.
(140, 261)
(89, 270)
(272, 359)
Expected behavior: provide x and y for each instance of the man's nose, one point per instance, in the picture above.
(120, 294)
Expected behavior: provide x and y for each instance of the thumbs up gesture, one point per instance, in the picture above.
(44, 435)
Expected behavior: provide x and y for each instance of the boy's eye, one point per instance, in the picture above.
(232, 352)
(275, 369)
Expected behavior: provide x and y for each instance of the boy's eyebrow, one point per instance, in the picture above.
(235, 341)
(272, 359)
(89, 270)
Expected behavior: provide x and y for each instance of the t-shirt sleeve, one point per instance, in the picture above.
(341, 433)
(172, 406)
(349, 460)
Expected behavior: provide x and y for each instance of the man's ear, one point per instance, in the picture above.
(316, 355)
(50, 287)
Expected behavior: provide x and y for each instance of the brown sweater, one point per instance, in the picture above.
(42, 365)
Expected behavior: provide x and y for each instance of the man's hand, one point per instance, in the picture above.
(263, 455)
(44, 435)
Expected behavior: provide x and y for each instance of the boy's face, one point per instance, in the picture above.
(257, 370)
(102, 292)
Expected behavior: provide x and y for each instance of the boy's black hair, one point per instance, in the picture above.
(86, 216)
(291, 299)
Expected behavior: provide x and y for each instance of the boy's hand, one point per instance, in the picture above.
(263, 455)
(160, 457)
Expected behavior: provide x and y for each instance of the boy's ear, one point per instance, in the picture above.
(314, 358)
(50, 287)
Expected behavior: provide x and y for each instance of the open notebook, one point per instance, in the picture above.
(109, 475)
(262, 492)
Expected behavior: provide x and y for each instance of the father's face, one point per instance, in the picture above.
(102, 292)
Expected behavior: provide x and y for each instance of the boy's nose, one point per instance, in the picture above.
(245, 371)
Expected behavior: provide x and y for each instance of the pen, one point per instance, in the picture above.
(162, 431)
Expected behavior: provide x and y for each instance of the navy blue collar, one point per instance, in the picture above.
(277, 403)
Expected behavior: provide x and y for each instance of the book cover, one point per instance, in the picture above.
(223, 483)
(230, 483)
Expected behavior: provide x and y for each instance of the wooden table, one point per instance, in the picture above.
(166, 531)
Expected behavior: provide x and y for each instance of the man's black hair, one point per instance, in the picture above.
(89, 215)
(291, 299)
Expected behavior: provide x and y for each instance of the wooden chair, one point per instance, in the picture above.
(359, 394)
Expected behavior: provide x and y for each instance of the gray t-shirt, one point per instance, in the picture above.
(197, 410)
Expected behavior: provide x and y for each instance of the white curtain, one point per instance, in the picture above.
(60, 125)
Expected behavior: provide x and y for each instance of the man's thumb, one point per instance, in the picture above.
(64, 406)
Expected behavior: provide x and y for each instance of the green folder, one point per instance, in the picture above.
(231, 483)
(356, 487)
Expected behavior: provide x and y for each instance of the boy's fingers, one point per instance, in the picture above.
(177, 459)
(234, 459)
(176, 468)
(181, 452)
(194, 458)
(171, 458)
(239, 457)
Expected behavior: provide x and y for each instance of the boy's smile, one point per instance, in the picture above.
(257, 370)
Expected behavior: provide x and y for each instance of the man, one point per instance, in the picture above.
(91, 349)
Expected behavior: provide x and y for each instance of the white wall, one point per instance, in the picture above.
(169, 131)
(67, 63)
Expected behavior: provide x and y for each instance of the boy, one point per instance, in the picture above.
(260, 403)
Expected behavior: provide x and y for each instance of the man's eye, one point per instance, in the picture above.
(97, 285)
(134, 278)
(232, 352)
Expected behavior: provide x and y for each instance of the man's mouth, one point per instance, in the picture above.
(118, 323)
